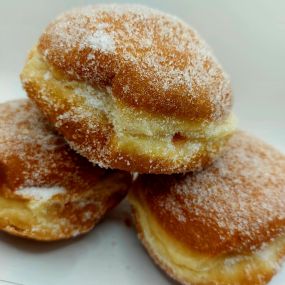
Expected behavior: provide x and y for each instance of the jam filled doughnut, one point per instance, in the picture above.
(224, 225)
(47, 191)
(131, 88)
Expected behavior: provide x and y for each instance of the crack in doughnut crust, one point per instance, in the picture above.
(223, 225)
(131, 88)
(47, 191)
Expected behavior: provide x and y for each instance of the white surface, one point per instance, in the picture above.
(248, 37)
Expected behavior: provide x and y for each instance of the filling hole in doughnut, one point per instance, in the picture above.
(178, 139)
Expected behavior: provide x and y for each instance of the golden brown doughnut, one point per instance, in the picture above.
(224, 225)
(47, 191)
(131, 88)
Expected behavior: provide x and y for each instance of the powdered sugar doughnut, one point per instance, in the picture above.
(223, 225)
(47, 191)
(131, 88)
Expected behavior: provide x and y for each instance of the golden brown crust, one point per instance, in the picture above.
(150, 60)
(235, 205)
(47, 191)
(96, 130)
(241, 270)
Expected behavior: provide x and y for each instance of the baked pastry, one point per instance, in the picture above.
(131, 88)
(47, 191)
(224, 225)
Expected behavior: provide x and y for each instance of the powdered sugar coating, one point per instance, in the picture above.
(150, 59)
(33, 155)
(29, 142)
(237, 204)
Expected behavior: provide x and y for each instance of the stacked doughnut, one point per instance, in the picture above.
(47, 191)
(222, 225)
(131, 88)
(134, 89)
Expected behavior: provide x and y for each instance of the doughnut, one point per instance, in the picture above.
(131, 88)
(47, 191)
(223, 225)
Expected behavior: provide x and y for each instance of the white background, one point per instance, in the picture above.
(248, 37)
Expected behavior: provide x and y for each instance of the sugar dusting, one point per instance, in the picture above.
(162, 50)
(241, 195)
(26, 138)
(40, 193)
(100, 40)
(40, 156)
